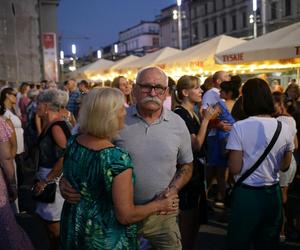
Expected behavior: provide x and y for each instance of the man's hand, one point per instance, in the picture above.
(68, 192)
(224, 125)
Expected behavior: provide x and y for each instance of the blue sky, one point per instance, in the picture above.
(92, 24)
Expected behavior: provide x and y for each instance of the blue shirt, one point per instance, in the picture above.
(73, 104)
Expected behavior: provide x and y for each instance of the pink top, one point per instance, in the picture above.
(23, 103)
(5, 131)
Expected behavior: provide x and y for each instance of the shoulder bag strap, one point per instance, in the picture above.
(263, 156)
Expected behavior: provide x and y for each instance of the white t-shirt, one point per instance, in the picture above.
(252, 136)
(211, 98)
(18, 128)
(290, 122)
(287, 177)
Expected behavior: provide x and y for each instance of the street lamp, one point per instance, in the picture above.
(179, 25)
(254, 8)
(99, 54)
(74, 50)
(61, 62)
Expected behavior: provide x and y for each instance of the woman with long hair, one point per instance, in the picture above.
(125, 86)
(8, 99)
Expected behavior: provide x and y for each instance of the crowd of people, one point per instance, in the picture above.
(131, 165)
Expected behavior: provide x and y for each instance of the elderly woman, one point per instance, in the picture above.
(51, 144)
(11, 234)
(103, 175)
(256, 203)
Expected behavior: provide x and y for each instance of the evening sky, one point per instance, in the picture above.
(92, 24)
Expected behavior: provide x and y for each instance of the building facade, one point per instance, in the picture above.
(168, 22)
(139, 39)
(210, 18)
(22, 24)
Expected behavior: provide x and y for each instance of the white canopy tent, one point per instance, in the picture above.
(203, 51)
(77, 74)
(98, 67)
(150, 59)
(119, 64)
(282, 45)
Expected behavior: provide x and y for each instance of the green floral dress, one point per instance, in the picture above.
(91, 223)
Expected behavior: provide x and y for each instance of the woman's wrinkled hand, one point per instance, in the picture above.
(39, 187)
(168, 204)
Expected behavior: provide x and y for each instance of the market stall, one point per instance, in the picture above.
(98, 67)
(275, 51)
(115, 69)
(198, 59)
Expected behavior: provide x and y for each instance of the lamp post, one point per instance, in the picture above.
(179, 25)
(254, 5)
(74, 50)
(99, 54)
(61, 62)
(115, 50)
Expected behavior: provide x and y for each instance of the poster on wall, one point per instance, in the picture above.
(50, 56)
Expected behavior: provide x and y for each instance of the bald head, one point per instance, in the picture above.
(219, 77)
(155, 72)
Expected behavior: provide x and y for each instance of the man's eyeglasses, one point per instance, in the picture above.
(14, 94)
(147, 88)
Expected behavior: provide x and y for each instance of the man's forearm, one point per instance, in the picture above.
(182, 176)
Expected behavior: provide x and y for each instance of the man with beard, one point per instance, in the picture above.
(160, 146)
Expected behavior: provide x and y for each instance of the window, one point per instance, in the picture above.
(205, 9)
(233, 20)
(223, 3)
(273, 10)
(224, 24)
(244, 19)
(155, 41)
(195, 31)
(206, 31)
(288, 10)
(215, 27)
(214, 6)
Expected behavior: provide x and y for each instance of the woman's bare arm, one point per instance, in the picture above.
(235, 161)
(126, 211)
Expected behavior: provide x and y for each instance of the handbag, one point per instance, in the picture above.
(228, 193)
(48, 194)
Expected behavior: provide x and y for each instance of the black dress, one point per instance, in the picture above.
(193, 194)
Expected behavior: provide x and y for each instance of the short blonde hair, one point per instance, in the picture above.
(98, 114)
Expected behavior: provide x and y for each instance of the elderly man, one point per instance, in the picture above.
(160, 146)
